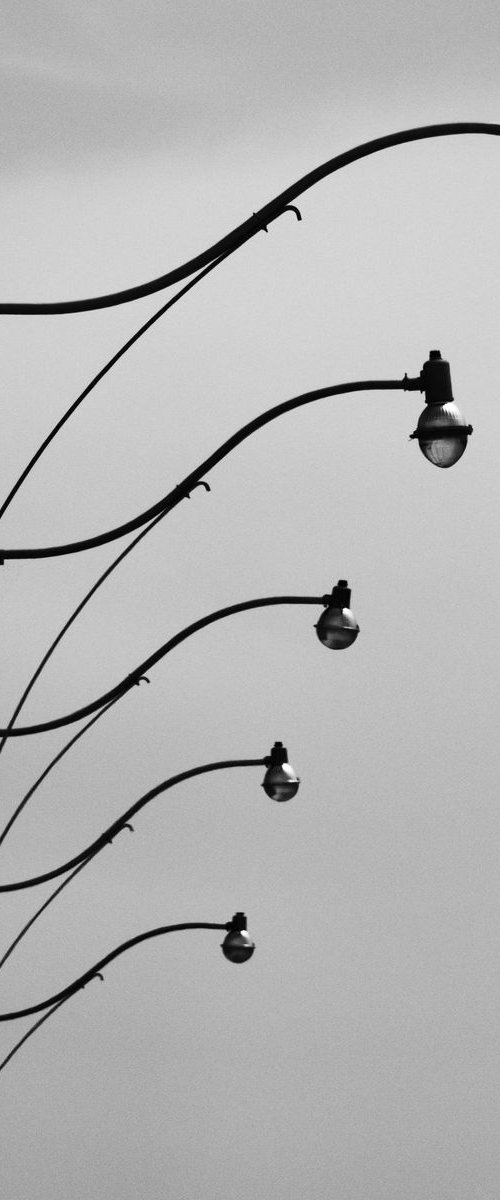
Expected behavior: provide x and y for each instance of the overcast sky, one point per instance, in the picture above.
(357, 1054)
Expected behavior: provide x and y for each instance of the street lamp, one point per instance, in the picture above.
(434, 381)
(236, 947)
(339, 618)
(280, 783)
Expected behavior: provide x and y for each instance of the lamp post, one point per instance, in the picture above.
(341, 629)
(258, 221)
(237, 947)
(441, 419)
(280, 783)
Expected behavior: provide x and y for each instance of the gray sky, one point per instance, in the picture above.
(357, 1055)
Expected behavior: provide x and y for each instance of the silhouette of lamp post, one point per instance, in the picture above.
(280, 783)
(237, 947)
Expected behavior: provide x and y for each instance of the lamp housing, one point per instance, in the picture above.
(337, 627)
(280, 781)
(441, 430)
(237, 946)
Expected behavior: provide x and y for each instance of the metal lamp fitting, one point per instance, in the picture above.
(441, 431)
(337, 627)
(237, 946)
(280, 781)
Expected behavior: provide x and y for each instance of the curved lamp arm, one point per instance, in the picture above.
(182, 490)
(130, 680)
(259, 220)
(105, 838)
(65, 994)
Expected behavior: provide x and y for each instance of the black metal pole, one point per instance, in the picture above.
(182, 490)
(259, 220)
(130, 680)
(65, 994)
(105, 838)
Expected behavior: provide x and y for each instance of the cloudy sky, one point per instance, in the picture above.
(357, 1055)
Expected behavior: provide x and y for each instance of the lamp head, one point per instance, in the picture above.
(337, 627)
(280, 780)
(441, 431)
(237, 945)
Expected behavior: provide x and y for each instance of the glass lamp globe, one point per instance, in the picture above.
(237, 945)
(337, 628)
(442, 434)
(441, 431)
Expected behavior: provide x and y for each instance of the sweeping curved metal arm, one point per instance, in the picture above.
(182, 490)
(120, 689)
(105, 838)
(259, 220)
(103, 962)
